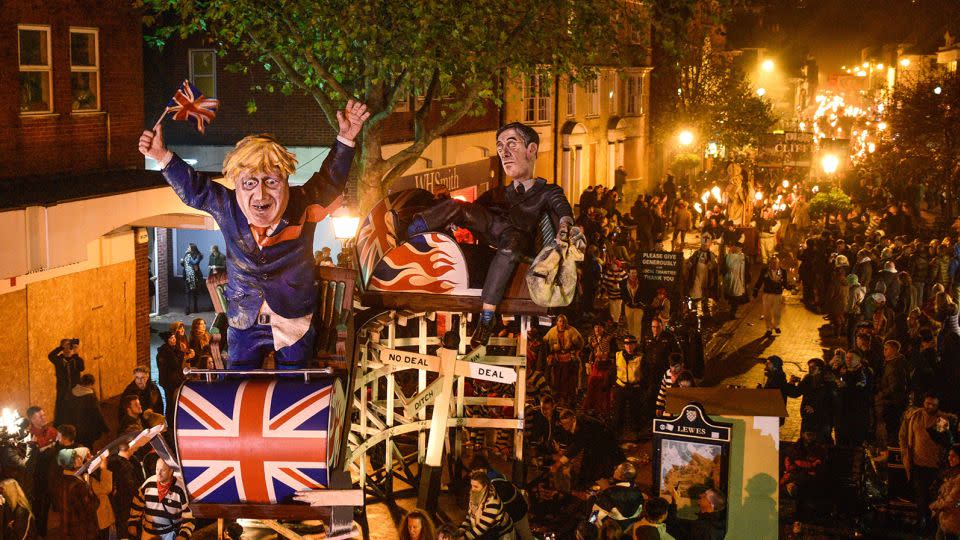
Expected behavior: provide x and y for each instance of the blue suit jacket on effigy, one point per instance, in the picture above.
(282, 272)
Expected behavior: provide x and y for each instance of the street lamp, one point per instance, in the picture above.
(344, 224)
(768, 66)
(905, 62)
(344, 229)
(761, 91)
(685, 138)
(938, 90)
(830, 163)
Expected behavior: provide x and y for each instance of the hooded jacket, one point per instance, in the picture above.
(85, 414)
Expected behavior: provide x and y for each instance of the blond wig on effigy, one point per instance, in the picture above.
(259, 154)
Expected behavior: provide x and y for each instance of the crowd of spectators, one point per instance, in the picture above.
(132, 492)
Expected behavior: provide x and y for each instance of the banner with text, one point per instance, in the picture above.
(662, 269)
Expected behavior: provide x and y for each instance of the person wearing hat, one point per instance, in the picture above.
(837, 296)
(627, 386)
(820, 399)
(855, 295)
(855, 382)
(775, 378)
(888, 276)
(74, 499)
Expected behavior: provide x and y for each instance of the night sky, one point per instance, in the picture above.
(834, 31)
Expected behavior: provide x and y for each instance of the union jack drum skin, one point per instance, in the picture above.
(258, 440)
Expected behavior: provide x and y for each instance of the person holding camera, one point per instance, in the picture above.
(67, 365)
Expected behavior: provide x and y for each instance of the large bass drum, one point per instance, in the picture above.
(259, 440)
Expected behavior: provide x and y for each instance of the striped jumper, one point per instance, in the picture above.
(169, 518)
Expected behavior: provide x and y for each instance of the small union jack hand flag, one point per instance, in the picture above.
(190, 104)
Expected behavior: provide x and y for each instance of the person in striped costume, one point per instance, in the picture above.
(160, 510)
(670, 379)
(486, 518)
(613, 274)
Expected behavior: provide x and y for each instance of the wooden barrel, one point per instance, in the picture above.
(257, 440)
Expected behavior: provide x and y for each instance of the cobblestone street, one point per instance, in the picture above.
(735, 351)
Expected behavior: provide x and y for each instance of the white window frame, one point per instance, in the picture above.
(86, 69)
(48, 69)
(213, 52)
(613, 97)
(536, 99)
(592, 87)
(633, 102)
(571, 98)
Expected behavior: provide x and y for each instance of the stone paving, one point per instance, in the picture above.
(735, 353)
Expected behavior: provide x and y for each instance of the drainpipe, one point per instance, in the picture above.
(108, 139)
(556, 125)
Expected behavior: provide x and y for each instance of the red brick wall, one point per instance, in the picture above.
(63, 141)
(163, 268)
(142, 304)
(399, 126)
(296, 120)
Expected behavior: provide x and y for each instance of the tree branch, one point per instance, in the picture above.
(321, 70)
(322, 99)
(391, 99)
(423, 138)
(428, 96)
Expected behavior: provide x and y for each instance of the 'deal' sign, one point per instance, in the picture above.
(410, 360)
(475, 370)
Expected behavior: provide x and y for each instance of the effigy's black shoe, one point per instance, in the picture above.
(481, 335)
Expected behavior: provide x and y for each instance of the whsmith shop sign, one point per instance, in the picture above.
(789, 149)
(454, 177)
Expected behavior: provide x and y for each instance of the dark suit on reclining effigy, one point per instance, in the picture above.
(506, 219)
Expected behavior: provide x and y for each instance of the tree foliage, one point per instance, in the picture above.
(922, 140)
(449, 53)
(829, 202)
(696, 84)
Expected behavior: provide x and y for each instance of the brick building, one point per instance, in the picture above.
(72, 187)
(75, 70)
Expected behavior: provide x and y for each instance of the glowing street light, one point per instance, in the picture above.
(685, 137)
(768, 66)
(905, 62)
(830, 163)
(344, 224)
(761, 91)
(938, 90)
